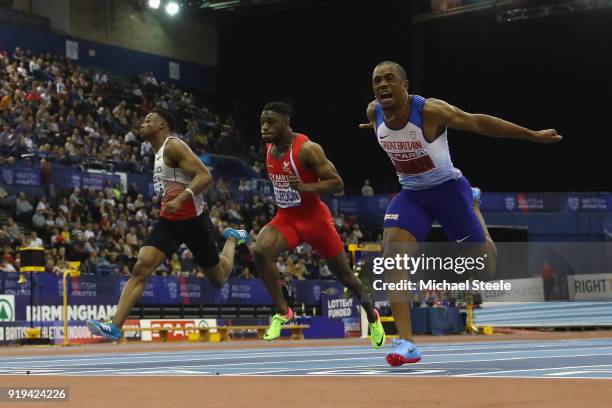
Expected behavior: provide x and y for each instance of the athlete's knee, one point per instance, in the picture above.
(143, 267)
(219, 273)
(490, 262)
(392, 249)
(391, 274)
(263, 253)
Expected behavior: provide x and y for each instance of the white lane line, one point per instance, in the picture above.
(582, 372)
(282, 370)
(524, 377)
(172, 358)
(532, 369)
(365, 372)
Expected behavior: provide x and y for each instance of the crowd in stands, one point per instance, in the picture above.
(64, 113)
(58, 112)
(105, 229)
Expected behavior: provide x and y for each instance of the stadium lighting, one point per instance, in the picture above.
(172, 8)
(154, 4)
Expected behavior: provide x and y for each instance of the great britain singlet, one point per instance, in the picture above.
(418, 163)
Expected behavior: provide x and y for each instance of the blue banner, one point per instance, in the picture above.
(546, 202)
(21, 176)
(370, 210)
(309, 291)
(69, 178)
(61, 176)
(45, 289)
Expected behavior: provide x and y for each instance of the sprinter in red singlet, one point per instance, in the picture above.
(179, 179)
(299, 172)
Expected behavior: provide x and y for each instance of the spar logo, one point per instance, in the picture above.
(180, 329)
(7, 308)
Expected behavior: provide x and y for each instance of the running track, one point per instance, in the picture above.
(584, 358)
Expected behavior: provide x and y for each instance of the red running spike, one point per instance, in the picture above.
(396, 360)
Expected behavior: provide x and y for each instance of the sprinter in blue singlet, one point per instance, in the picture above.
(412, 131)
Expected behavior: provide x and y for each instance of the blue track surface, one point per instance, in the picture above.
(525, 359)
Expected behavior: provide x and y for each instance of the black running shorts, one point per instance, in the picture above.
(197, 233)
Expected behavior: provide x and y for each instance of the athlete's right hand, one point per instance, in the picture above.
(366, 125)
(172, 206)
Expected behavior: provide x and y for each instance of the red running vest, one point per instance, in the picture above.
(288, 199)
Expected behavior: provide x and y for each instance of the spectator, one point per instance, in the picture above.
(175, 264)
(39, 220)
(136, 91)
(357, 232)
(6, 266)
(324, 271)
(367, 190)
(13, 229)
(35, 241)
(23, 208)
(7, 200)
(5, 237)
(42, 204)
(187, 262)
(75, 197)
(281, 265)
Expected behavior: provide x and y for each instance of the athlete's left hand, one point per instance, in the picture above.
(547, 136)
(172, 206)
(296, 183)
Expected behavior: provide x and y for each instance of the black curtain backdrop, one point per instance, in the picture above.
(541, 73)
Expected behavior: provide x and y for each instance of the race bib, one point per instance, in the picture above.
(287, 197)
(158, 185)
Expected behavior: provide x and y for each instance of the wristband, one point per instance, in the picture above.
(191, 192)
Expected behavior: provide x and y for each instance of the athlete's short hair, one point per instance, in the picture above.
(279, 107)
(400, 69)
(166, 116)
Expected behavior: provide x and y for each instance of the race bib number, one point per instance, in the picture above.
(287, 197)
(158, 186)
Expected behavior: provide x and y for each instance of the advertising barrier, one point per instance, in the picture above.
(596, 286)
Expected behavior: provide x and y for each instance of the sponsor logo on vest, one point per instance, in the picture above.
(286, 167)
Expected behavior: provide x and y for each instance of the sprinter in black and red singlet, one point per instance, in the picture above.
(179, 180)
